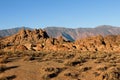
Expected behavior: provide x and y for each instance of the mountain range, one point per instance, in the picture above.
(70, 33)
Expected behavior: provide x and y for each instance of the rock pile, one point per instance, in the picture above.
(99, 43)
(38, 39)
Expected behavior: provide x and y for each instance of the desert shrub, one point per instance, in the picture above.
(97, 61)
(117, 60)
(4, 59)
(49, 69)
(112, 61)
(83, 69)
(112, 65)
(112, 74)
(59, 60)
(75, 62)
(96, 74)
(4, 78)
(81, 59)
(69, 56)
(102, 68)
(2, 52)
(51, 72)
(71, 74)
(101, 55)
(28, 58)
(48, 76)
(2, 68)
(8, 77)
(18, 53)
(93, 56)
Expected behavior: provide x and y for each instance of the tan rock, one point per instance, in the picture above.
(21, 48)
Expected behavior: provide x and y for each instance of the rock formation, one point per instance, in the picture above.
(38, 40)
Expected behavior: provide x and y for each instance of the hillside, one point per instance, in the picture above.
(8, 32)
(73, 34)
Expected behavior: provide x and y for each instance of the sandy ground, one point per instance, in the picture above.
(63, 66)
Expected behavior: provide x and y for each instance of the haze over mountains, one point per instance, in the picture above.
(69, 33)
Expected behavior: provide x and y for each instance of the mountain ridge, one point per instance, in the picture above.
(78, 33)
(70, 34)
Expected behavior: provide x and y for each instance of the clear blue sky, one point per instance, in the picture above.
(62, 13)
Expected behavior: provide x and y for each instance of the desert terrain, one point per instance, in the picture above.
(33, 55)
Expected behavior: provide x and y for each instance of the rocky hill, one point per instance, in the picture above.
(30, 40)
(71, 34)
(38, 39)
(99, 43)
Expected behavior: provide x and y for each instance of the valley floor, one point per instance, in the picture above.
(52, 65)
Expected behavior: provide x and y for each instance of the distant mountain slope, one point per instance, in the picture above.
(73, 34)
(69, 33)
(8, 32)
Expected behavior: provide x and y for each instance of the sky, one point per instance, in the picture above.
(59, 13)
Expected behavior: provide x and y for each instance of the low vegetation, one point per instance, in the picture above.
(69, 65)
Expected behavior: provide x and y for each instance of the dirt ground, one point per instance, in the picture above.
(59, 65)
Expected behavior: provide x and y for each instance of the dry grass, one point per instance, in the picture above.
(65, 65)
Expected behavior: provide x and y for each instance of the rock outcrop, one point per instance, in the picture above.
(38, 40)
(99, 43)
